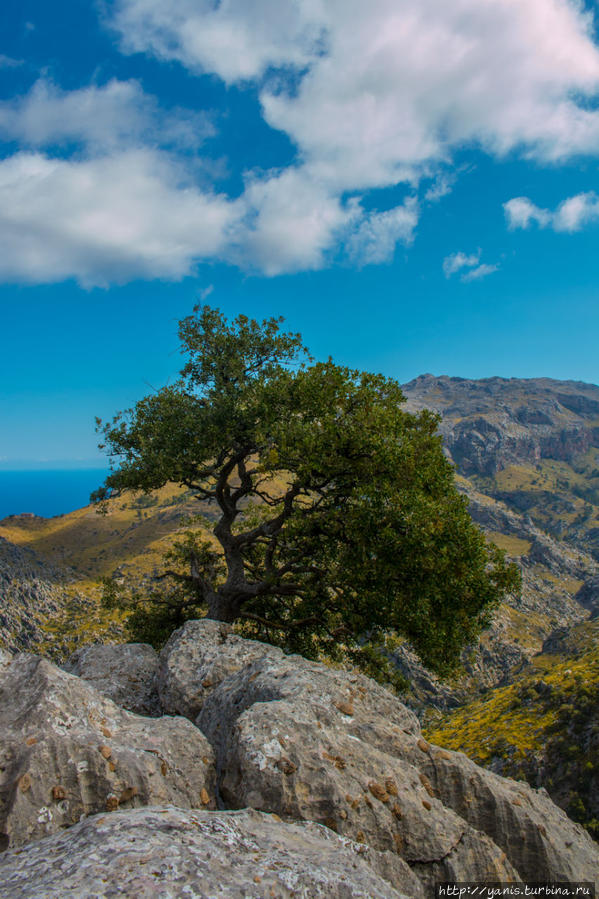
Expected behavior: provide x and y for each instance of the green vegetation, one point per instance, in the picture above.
(337, 514)
(543, 728)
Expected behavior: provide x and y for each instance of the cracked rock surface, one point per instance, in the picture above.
(126, 674)
(311, 743)
(167, 852)
(67, 751)
(287, 740)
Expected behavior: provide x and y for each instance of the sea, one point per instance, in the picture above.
(47, 492)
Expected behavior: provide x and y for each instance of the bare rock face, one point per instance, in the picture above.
(311, 743)
(67, 751)
(154, 852)
(197, 658)
(124, 673)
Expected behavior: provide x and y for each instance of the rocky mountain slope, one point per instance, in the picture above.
(260, 774)
(528, 457)
(32, 591)
(534, 444)
(543, 727)
(525, 455)
(50, 568)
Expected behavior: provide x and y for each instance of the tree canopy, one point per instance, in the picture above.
(338, 521)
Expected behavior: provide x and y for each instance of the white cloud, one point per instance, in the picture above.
(371, 95)
(440, 187)
(457, 261)
(109, 219)
(237, 40)
(394, 84)
(290, 223)
(576, 212)
(100, 117)
(377, 235)
(481, 271)
(520, 213)
(571, 215)
(7, 62)
(474, 269)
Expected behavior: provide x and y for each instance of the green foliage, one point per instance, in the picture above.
(338, 519)
(544, 730)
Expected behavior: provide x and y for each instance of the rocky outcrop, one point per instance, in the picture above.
(154, 852)
(67, 751)
(30, 591)
(495, 422)
(310, 743)
(290, 738)
(126, 674)
(193, 662)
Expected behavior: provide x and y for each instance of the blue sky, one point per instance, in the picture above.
(412, 184)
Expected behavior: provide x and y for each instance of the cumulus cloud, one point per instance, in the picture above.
(291, 222)
(98, 117)
(571, 215)
(376, 237)
(385, 87)
(237, 40)
(108, 219)
(370, 95)
(469, 264)
(521, 213)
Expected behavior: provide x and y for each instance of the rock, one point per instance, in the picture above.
(588, 596)
(146, 853)
(197, 658)
(537, 837)
(124, 673)
(67, 751)
(308, 743)
(5, 659)
(311, 743)
(30, 591)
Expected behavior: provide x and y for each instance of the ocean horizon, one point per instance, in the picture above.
(47, 492)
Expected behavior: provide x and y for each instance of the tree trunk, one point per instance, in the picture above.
(222, 608)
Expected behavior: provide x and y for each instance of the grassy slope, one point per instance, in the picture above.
(132, 537)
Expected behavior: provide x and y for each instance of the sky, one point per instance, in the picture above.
(412, 184)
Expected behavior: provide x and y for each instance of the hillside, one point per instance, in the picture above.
(527, 453)
(533, 444)
(52, 566)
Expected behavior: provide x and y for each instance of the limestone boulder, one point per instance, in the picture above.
(169, 852)
(125, 673)
(195, 660)
(67, 751)
(312, 743)
(536, 835)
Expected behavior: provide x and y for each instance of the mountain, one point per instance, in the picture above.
(527, 454)
(532, 444)
(50, 568)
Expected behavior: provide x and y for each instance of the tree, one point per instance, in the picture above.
(338, 520)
